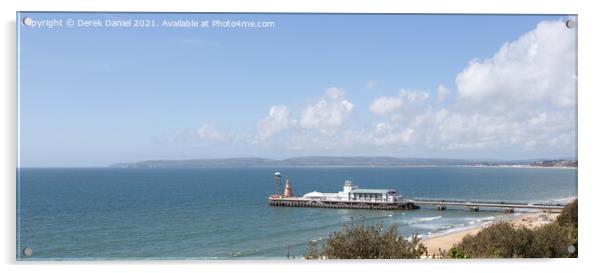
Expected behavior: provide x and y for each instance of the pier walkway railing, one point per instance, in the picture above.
(442, 204)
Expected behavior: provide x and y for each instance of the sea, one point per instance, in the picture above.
(223, 213)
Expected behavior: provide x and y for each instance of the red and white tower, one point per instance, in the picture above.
(288, 189)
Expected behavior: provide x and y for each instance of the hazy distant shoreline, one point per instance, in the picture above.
(340, 162)
(520, 167)
(301, 166)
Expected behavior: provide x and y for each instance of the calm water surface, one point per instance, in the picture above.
(105, 213)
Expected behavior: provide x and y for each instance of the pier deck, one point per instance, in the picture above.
(340, 204)
(440, 204)
(476, 205)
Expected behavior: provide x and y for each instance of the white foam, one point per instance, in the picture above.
(468, 223)
(562, 200)
(447, 231)
(428, 219)
(490, 218)
(565, 200)
(415, 221)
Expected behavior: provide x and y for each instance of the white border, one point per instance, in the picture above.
(589, 20)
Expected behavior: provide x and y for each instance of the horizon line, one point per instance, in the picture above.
(323, 156)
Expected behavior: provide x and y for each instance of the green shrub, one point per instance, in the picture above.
(503, 240)
(551, 241)
(362, 241)
(568, 218)
(500, 240)
(455, 253)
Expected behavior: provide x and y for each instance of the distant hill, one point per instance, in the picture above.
(200, 163)
(332, 161)
(556, 163)
(368, 161)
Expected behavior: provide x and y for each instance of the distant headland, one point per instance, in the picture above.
(340, 161)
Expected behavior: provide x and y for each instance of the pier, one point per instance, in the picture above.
(353, 197)
(442, 204)
(439, 204)
(339, 204)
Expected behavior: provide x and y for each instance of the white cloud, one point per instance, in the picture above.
(519, 101)
(386, 105)
(387, 133)
(404, 114)
(442, 93)
(276, 121)
(530, 130)
(539, 66)
(405, 101)
(210, 133)
(329, 113)
(414, 96)
(522, 98)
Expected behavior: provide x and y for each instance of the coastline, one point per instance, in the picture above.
(443, 242)
(518, 167)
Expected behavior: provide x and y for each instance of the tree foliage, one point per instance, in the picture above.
(456, 253)
(363, 241)
(503, 240)
(568, 218)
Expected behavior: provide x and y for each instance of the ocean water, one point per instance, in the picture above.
(222, 213)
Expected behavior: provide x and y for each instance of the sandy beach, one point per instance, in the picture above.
(446, 241)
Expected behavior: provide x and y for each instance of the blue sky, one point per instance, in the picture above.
(453, 86)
